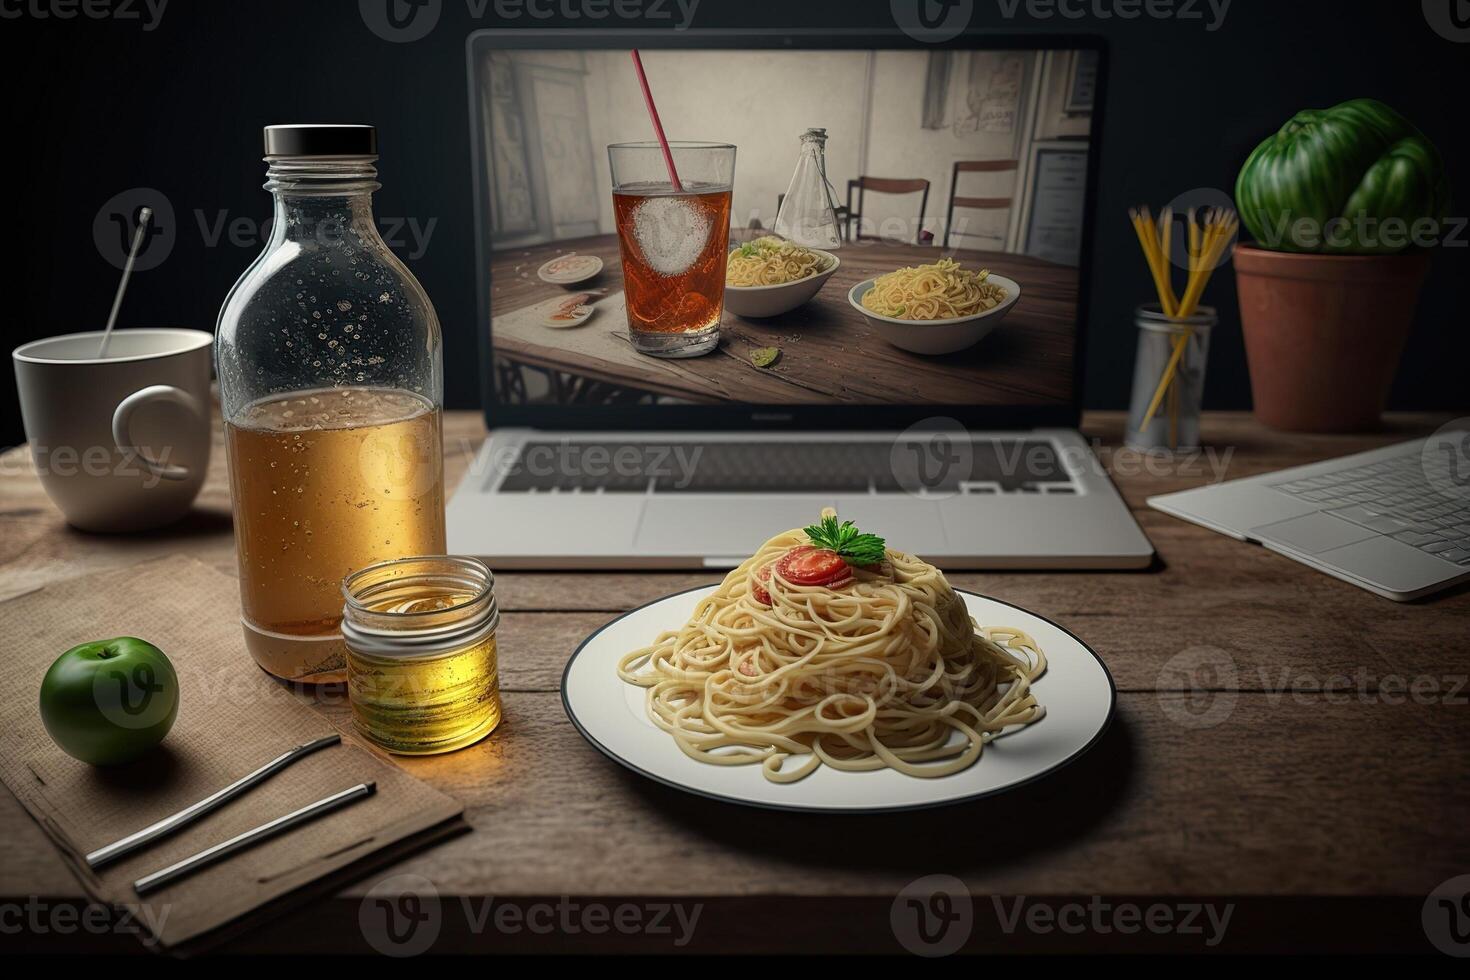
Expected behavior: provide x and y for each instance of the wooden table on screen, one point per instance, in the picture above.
(1306, 786)
(829, 351)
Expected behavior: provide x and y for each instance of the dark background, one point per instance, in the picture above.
(97, 107)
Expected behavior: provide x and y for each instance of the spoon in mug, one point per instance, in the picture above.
(143, 217)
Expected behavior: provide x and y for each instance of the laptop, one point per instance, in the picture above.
(1394, 521)
(983, 150)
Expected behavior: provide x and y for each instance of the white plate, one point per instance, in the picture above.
(1076, 690)
(585, 267)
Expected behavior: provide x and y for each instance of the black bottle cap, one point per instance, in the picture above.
(321, 140)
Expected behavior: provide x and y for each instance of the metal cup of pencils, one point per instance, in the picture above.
(1173, 424)
(1174, 334)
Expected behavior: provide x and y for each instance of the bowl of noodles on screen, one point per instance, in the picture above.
(770, 276)
(938, 308)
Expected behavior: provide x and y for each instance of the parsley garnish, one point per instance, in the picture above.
(852, 546)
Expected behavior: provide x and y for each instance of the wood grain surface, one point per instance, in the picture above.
(1315, 776)
(829, 352)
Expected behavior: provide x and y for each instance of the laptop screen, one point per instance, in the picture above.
(849, 228)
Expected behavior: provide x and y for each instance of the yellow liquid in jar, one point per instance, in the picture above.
(430, 704)
(324, 483)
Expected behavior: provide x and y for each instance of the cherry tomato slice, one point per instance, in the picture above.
(806, 565)
(758, 582)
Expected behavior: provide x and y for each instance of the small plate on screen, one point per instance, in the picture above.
(569, 269)
(1076, 690)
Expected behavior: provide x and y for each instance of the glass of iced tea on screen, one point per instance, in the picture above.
(674, 241)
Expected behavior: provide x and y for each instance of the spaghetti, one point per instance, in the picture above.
(881, 669)
(939, 291)
(772, 261)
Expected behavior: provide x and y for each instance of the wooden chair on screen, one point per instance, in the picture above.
(976, 203)
(885, 185)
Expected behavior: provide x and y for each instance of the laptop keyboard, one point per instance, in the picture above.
(1394, 497)
(989, 466)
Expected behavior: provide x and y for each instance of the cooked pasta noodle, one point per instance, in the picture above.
(937, 291)
(772, 261)
(885, 670)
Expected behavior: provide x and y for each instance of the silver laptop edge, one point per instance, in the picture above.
(1088, 527)
(1314, 532)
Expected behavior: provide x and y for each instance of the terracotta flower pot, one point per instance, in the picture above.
(1323, 333)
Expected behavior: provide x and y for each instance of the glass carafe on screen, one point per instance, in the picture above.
(674, 242)
(330, 376)
(808, 213)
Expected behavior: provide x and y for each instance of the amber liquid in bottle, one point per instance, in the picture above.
(326, 482)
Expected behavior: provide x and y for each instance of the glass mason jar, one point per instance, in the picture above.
(1168, 379)
(422, 671)
(331, 378)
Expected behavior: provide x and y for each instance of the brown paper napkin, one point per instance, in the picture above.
(232, 719)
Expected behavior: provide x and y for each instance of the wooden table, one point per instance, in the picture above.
(1317, 783)
(829, 351)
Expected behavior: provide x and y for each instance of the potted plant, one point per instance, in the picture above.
(1342, 203)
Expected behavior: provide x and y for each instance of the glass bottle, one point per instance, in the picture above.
(331, 377)
(808, 213)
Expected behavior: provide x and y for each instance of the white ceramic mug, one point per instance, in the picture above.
(121, 442)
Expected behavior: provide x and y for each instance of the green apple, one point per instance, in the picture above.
(109, 701)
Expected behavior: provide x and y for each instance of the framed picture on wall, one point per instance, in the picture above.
(1081, 82)
(1053, 200)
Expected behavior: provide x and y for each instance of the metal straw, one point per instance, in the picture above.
(186, 816)
(144, 216)
(250, 838)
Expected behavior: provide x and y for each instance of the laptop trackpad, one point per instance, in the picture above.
(727, 529)
(1312, 534)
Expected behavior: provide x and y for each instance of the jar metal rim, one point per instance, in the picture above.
(422, 633)
(1150, 316)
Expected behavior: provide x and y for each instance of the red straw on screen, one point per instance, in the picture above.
(658, 127)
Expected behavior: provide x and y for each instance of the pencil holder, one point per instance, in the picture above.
(1168, 379)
